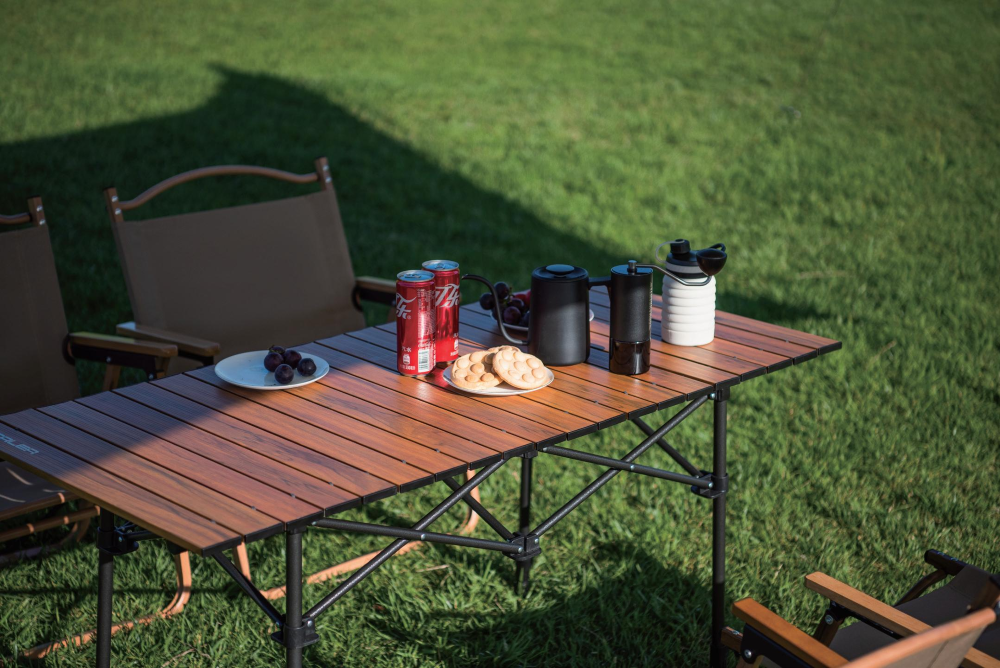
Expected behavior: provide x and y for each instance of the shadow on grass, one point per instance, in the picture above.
(640, 613)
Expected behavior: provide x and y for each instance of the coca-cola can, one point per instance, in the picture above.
(415, 322)
(447, 299)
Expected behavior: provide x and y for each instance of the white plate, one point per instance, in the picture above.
(247, 370)
(501, 390)
(524, 330)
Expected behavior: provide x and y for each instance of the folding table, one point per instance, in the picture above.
(206, 465)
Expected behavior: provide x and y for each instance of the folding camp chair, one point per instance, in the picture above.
(37, 368)
(243, 278)
(883, 635)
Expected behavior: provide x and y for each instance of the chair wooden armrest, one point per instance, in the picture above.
(373, 289)
(786, 635)
(122, 344)
(872, 609)
(188, 346)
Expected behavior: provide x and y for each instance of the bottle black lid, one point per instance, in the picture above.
(680, 248)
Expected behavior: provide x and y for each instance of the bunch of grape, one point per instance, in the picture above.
(284, 363)
(514, 307)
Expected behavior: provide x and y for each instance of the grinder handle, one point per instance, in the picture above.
(496, 308)
(672, 275)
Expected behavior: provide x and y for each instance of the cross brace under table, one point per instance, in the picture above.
(297, 629)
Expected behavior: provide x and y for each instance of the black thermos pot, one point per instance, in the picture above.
(559, 327)
(631, 293)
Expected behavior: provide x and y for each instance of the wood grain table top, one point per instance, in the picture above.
(208, 465)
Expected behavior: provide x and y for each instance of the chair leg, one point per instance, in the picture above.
(182, 566)
(111, 374)
(241, 560)
(468, 526)
(80, 519)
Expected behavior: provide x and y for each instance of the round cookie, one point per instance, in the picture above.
(475, 371)
(523, 371)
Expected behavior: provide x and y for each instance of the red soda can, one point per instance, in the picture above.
(415, 322)
(447, 298)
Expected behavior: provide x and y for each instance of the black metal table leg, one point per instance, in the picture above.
(293, 594)
(105, 589)
(524, 567)
(720, 484)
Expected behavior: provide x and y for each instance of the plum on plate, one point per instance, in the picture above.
(307, 367)
(277, 349)
(272, 360)
(502, 289)
(486, 301)
(284, 374)
(524, 319)
(292, 358)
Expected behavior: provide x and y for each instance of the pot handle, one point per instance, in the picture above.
(496, 308)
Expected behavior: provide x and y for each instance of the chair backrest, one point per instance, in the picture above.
(33, 330)
(941, 646)
(246, 277)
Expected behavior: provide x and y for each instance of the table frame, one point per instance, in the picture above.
(297, 628)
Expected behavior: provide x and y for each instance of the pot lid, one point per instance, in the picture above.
(559, 272)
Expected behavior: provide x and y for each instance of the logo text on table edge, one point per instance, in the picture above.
(20, 446)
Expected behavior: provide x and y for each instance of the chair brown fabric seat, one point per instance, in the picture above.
(23, 492)
(933, 608)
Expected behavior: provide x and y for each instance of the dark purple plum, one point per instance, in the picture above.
(512, 315)
(524, 319)
(502, 290)
(486, 301)
(277, 349)
(518, 303)
(292, 358)
(284, 374)
(272, 360)
(307, 367)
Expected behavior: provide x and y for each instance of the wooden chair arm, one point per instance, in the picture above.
(373, 289)
(786, 635)
(122, 344)
(186, 345)
(872, 609)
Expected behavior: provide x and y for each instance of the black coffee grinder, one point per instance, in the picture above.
(631, 292)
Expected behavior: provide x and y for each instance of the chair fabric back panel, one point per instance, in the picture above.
(246, 277)
(33, 371)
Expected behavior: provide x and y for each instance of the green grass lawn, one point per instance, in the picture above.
(848, 154)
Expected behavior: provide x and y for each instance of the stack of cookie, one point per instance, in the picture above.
(484, 369)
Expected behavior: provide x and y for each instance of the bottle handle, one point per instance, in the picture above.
(658, 258)
(496, 308)
(721, 247)
(682, 281)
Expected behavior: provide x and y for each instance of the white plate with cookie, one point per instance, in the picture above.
(518, 373)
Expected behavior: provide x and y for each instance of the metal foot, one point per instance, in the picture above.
(105, 588)
(719, 476)
(523, 570)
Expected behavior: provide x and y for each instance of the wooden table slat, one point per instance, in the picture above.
(183, 491)
(404, 476)
(663, 377)
(126, 499)
(767, 343)
(727, 363)
(431, 436)
(379, 365)
(248, 493)
(776, 331)
(571, 425)
(357, 431)
(265, 443)
(308, 491)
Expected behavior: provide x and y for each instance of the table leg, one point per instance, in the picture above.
(720, 480)
(293, 592)
(105, 589)
(524, 567)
